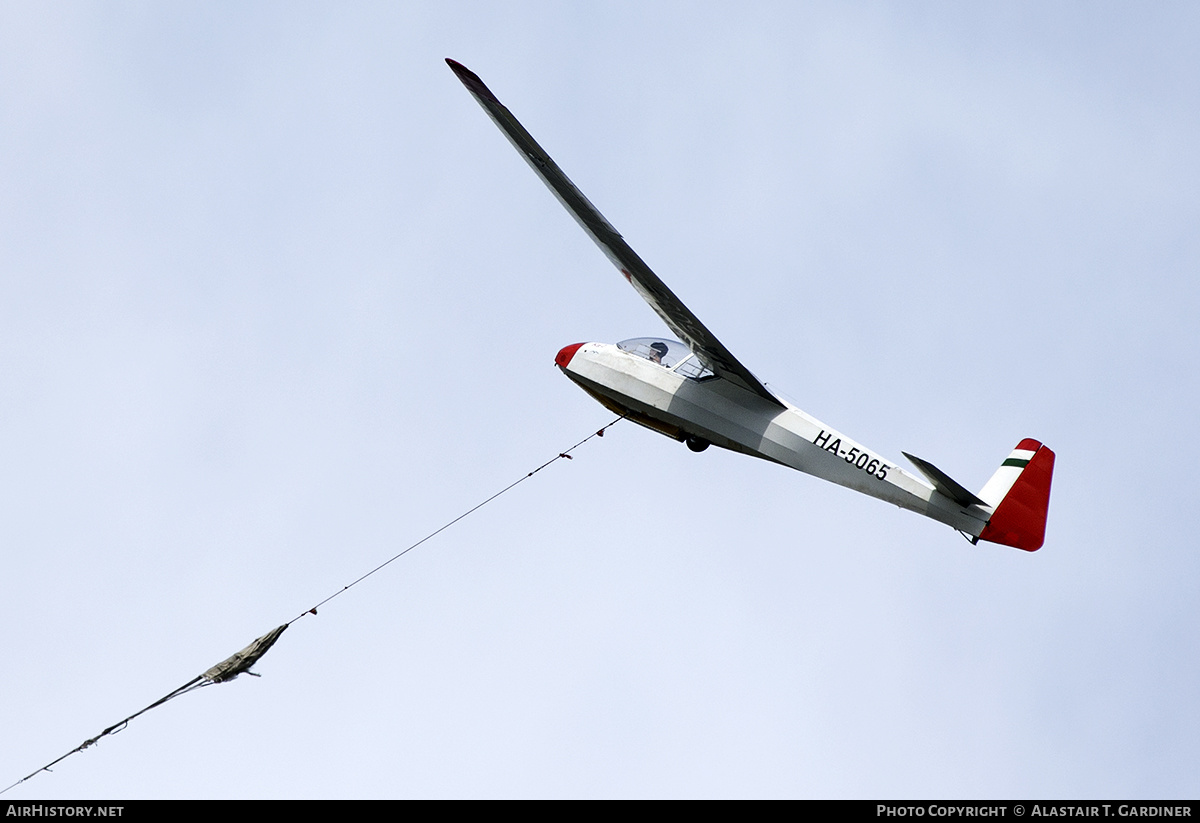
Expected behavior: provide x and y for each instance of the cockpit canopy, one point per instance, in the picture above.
(670, 354)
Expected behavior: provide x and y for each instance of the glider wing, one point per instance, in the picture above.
(678, 317)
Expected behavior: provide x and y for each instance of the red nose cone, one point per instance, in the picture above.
(563, 358)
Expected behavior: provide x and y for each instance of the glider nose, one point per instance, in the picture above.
(563, 358)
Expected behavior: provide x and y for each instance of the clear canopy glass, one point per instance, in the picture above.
(670, 354)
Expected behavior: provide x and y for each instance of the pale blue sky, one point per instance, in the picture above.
(277, 299)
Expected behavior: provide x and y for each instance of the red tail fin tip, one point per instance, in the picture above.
(1020, 516)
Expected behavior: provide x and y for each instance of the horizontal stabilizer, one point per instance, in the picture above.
(944, 483)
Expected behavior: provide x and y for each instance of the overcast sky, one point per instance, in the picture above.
(277, 300)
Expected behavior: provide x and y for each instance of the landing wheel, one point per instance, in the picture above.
(696, 444)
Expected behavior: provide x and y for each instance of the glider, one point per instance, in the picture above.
(697, 392)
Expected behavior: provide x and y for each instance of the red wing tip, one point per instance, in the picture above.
(1029, 444)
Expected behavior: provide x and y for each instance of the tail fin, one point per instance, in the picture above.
(1020, 492)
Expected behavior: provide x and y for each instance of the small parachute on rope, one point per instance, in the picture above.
(223, 672)
(241, 662)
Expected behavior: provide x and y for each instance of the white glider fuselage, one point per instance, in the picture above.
(714, 410)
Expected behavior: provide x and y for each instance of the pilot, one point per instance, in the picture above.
(658, 350)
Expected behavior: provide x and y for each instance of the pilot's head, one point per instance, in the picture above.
(658, 350)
